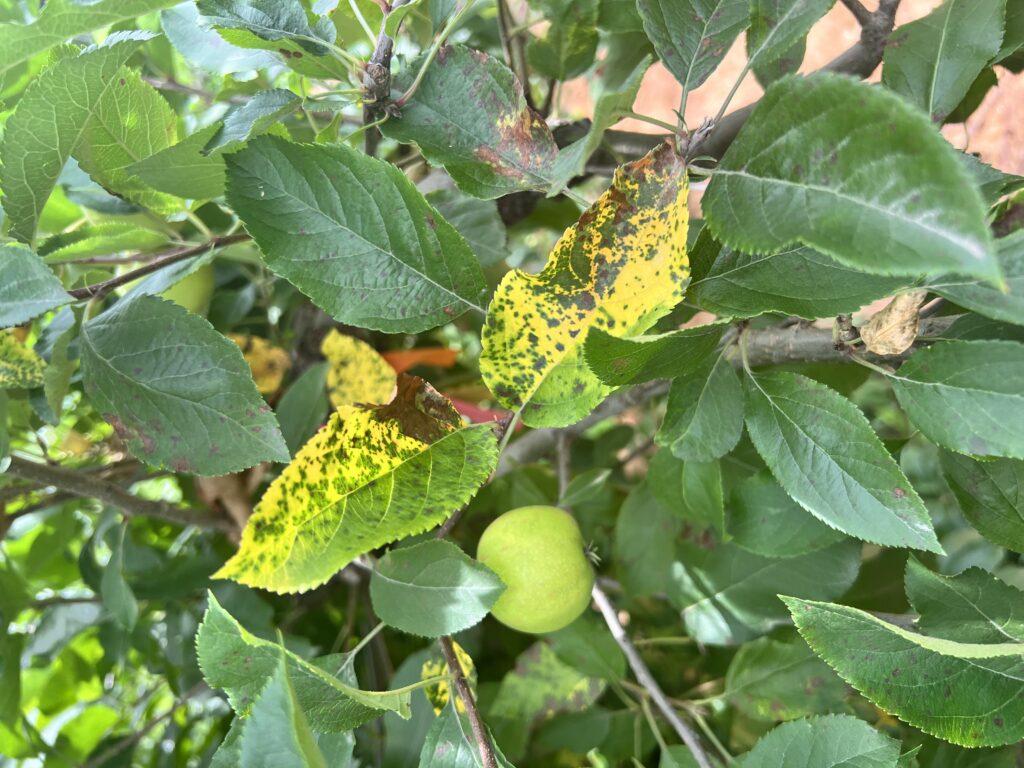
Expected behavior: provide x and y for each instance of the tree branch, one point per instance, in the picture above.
(86, 487)
(483, 740)
(646, 679)
(862, 14)
(377, 81)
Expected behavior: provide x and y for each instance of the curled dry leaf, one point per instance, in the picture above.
(893, 330)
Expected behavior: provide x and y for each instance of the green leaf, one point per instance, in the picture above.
(691, 490)
(833, 741)
(704, 414)
(825, 454)
(130, 122)
(588, 646)
(644, 542)
(795, 281)
(303, 407)
(118, 597)
(620, 268)
(27, 286)
(5, 449)
(183, 170)
(264, 110)
(100, 239)
(676, 756)
(778, 29)
(10, 676)
(965, 693)
(206, 49)
(396, 15)
(621, 361)
(241, 664)
(373, 475)
(795, 175)
(432, 589)
(450, 743)
(270, 20)
(476, 220)
(177, 392)
(693, 36)
(155, 283)
(584, 487)
(772, 679)
(20, 367)
(966, 396)
(61, 20)
(991, 496)
(727, 595)
(540, 684)
(570, 42)
(49, 122)
(354, 234)
(983, 298)
(470, 116)
(933, 61)
(766, 521)
(1013, 38)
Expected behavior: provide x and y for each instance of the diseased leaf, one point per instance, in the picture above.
(49, 122)
(621, 361)
(824, 453)
(470, 116)
(834, 741)
(20, 367)
(256, 116)
(373, 475)
(540, 684)
(966, 396)
(241, 665)
(569, 45)
(933, 61)
(704, 414)
(440, 692)
(991, 496)
(621, 267)
(183, 170)
(693, 36)
(965, 693)
(795, 175)
(357, 374)
(432, 589)
(983, 298)
(354, 234)
(268, 362)
(27, 286)
(177, 393)
(727, 595)
(894, 328)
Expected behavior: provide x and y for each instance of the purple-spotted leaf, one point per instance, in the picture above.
(620, 268)
(372, 475)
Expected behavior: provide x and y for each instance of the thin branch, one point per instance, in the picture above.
(483, 739)
(86, 487)
(862, 14)
(99, 290)
(377, 82)
(646, 679)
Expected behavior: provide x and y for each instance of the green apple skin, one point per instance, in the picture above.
(540, 555)
(194, 291)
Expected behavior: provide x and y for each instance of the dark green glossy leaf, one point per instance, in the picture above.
(644, 358)
(991, 496)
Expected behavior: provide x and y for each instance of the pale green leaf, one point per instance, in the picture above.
(204, 48)
(395, 16)
(991, 496)
(354, 234)
(432, 589)
(621, 361)
(256, 116)
(183, 170)
(27, 286)
(100, 239)
(833, 741)
(795, 174)
(704, 413)
(270, 20)
(584, 487)
(825, 454)
(588, 646)
(10, 676)
(177, 392)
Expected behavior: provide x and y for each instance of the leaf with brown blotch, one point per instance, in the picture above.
(893, 330)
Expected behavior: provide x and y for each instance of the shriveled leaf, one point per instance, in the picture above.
(991, 496)
(933, 61)
(727, 595)
(432, 589)
(268, 362)
(569, 45)
(27, 286)
(765, 520)
(966, 396)
(20, 367)
(621, 361)
(48, 125)
(693, 36)
(254, 117)
(354, 234)
(893, 329)
(833, 741)
(241, 664)
(704, 414)
(795, 175)
(469, 115)
(772, 679)
(620, 268)
(965, 693)
(824, 453)
(357, 373)
(177, 393)
(183, 170)
(983, 298)
(371, 476)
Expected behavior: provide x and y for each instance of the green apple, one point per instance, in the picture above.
(194, 291)
(540, 555)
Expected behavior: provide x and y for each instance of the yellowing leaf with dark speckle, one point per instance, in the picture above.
(440, 693)
(20, 367)
(268, 362)
(371, 476)
(622, 266)
(357, 373)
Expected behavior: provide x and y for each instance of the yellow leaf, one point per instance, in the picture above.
(372, 475)
(20, 367)
(440, 693)
(622, 266)
(268, 362)
(357, 373)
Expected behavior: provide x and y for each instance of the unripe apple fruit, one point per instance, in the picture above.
(540, 555)
(194, 291)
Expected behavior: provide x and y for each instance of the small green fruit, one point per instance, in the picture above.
(194, 291)
(540, 555)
